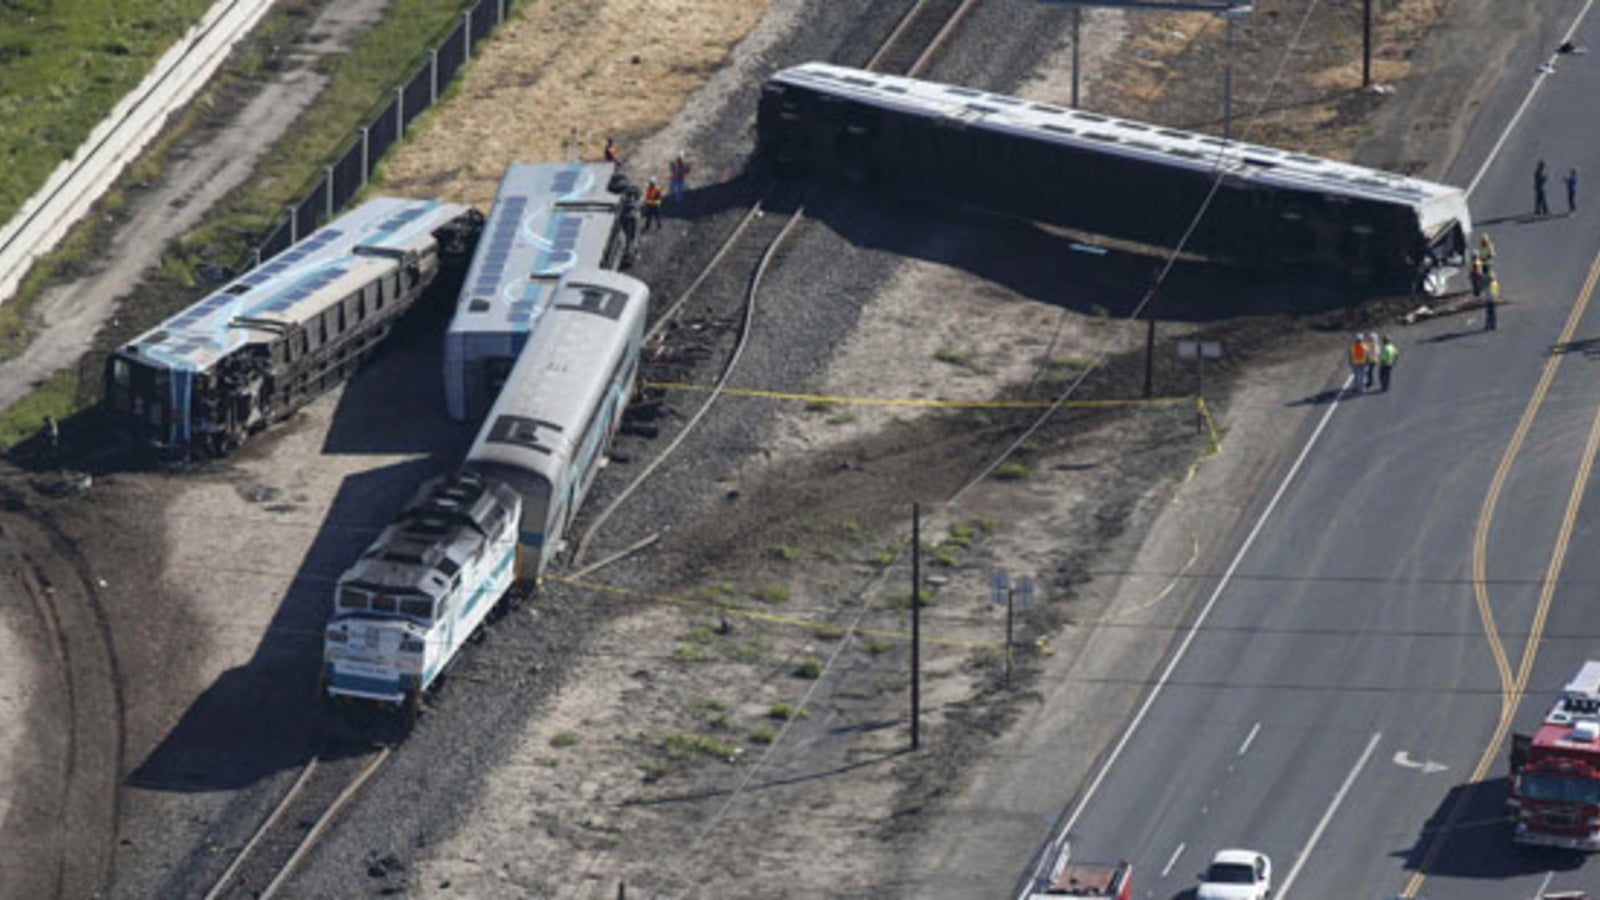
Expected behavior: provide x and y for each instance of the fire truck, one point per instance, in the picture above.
(1555, 772)
(1096, 881)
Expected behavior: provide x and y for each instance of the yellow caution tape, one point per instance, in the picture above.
(827, 400)
(761, 615)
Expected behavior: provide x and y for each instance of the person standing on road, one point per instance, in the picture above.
(1358, 362)
(1540, 206)
(1388, 353)
(1572, 190)
(1477, 275)
(1490, 301)
(1486, 253)
(1372, 358)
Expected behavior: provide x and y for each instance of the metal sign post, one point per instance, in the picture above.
(1228, 9)
(1003, 590)
(916, 625)
(1200, 351)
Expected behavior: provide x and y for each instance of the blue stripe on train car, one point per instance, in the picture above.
(483, 588)
(182, 381)
(361, 684)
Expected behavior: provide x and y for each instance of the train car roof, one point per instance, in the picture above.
(443, 526)
(297, 283)
(548, 218)
(1138, 140)
(563, 372)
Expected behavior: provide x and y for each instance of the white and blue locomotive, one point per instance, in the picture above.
(403, 611)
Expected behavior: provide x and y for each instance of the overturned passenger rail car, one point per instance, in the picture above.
(1111, 176)
(280, 335)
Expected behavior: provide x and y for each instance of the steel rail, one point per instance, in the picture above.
(322, 823)
(262, 831)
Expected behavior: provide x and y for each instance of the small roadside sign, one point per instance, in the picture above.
(1024, 590)
(1199, 349)
(999, 587)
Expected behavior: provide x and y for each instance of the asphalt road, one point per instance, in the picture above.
(1337, 707)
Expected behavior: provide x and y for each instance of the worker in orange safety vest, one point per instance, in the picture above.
(652, 205)
(1358, 361)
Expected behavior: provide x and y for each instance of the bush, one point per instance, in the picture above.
(810, 667)
(563, 739)
(785, 712)
(1012, 471)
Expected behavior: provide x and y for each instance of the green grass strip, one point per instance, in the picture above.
(63, 66)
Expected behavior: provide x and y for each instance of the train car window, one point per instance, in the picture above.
(521, 431)
(305, 342)
(1057, 128)
(1305, 160)
(352, 599)
(340, 322)
(417, 609)
(1134, 126)
(1089, 117)
(322, 330)
(1180, 135)
(382, 603)
(239, 289)
(1046, 108)
(449, 567)
(963, 92)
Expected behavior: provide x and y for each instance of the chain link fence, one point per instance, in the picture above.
(342, 180)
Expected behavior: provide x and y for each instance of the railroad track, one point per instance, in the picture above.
(750, 248)
(76, 184)
(734, 272)
(50, 572)
(325, 786)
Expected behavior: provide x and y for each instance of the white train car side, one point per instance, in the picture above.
(561, 405)
(548, 220)
(430, 580)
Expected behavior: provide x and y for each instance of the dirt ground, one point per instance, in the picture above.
(620, 69)
(673, 754)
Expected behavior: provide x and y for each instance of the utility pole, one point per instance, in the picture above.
(916, 626)
(1366, 43)
(1227, 82)
(1077, 27)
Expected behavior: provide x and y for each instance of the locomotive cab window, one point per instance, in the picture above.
(352, 599)
(417, 609)
(383, 603)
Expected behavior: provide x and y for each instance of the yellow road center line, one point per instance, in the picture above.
(1512, 688)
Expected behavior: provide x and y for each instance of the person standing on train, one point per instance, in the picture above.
(678, 177)
(652, 205)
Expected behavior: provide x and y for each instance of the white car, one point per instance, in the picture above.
(1236, 875)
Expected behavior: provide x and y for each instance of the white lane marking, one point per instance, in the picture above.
(1327, 816)
(1544, 72)
(1544, 884)
(1244, 747)
(1173, 860)
(1188, 639)
(1427, 766)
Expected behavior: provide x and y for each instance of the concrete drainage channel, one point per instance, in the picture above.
(77, 183)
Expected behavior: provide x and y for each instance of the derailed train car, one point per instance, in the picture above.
(1111, 176)
(403, 611)
(548, 220)
(277, 337)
